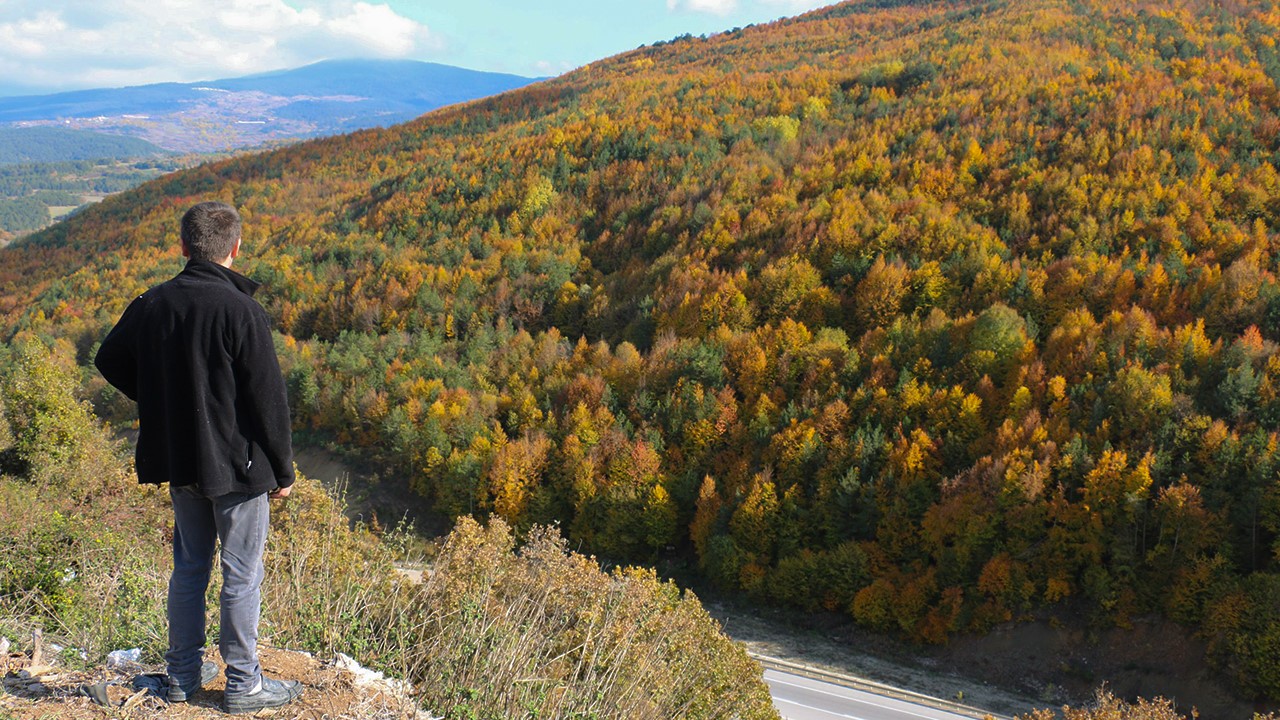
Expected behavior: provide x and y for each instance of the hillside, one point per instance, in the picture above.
(49, 145)
(54, 136)
(323, 98)
(935, 315)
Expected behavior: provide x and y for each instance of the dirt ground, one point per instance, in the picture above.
(1153, 658)
(329, 692)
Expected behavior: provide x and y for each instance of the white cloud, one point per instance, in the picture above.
(26, 38)
(715, 7)
(547, 68)
(63, 44)
(799, 5)
(378, 28)
(726, 7)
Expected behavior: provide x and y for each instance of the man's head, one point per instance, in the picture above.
(211, 231)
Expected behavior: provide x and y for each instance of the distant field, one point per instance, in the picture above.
(57, 212)
(35, 195)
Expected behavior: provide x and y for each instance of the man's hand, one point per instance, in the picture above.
(280, 493)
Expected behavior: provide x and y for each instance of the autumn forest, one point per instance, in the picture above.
(931, 314)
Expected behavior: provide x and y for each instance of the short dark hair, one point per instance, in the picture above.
(210, 231)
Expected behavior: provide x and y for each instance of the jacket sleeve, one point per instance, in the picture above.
(117, 359)
(260, 387)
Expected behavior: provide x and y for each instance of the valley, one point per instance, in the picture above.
(214, 120)
(35, 195)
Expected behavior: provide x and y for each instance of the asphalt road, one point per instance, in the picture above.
(802, 698)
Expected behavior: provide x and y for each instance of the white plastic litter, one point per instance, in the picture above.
(364, 676)
(122, 658)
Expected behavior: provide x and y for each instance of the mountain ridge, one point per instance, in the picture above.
(322, 98)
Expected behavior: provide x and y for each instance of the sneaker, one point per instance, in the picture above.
(269, 694)
(179, 692)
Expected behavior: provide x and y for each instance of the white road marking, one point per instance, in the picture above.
(855, 696)
(810, 688)
(817, 709)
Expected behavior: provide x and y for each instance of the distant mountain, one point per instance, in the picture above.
(47, 144)
(325, 98)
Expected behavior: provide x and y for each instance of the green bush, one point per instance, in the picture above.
(50, 436)
(1246, 635)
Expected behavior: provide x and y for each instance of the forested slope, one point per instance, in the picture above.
(47, 145)
(930, 313)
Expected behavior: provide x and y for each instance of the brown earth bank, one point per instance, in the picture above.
(1015, 668)
(1152, 658)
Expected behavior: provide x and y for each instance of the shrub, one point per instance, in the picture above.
(544, 632)
(1108, 707)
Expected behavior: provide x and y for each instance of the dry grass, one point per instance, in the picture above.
(543, 632)
(496, 631)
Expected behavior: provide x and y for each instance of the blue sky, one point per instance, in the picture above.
(56, 45)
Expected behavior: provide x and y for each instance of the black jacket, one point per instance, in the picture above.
(196, 354)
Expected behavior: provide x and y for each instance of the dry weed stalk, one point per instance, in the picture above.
(500, 632)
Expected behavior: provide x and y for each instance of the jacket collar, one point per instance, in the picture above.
(206, 269)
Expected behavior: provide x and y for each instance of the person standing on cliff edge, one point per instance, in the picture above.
(195, 353)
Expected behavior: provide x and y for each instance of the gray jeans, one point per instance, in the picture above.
(240, 522)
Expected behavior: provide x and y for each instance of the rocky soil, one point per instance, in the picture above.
(334, 689)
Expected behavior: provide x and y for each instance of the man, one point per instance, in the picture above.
(196, 354)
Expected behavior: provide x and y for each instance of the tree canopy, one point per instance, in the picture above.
(933, 314)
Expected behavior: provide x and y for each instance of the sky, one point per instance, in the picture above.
(56, 45)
